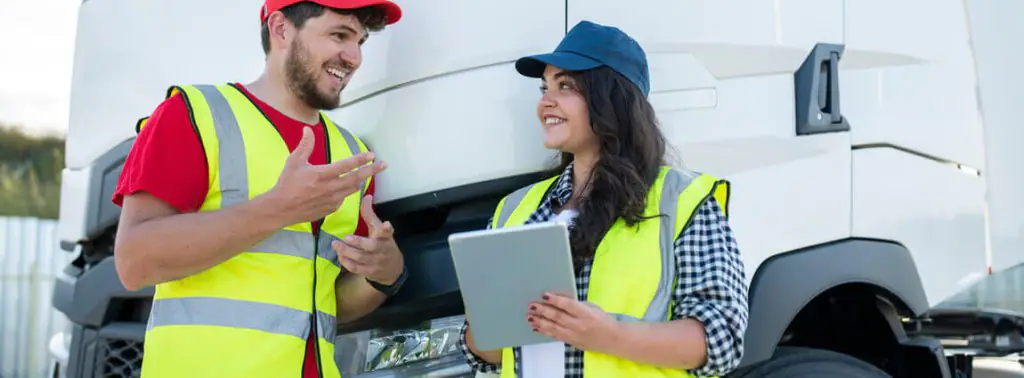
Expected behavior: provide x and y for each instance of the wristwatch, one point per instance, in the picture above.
(390, 290)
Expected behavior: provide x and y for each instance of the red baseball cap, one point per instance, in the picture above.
(392, 11)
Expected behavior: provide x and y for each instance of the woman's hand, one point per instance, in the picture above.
(582, 325)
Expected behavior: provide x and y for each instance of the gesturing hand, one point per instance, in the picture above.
(306, 192)
(582, 325)
(377, 257)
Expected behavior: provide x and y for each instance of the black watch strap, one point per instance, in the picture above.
(390, 290)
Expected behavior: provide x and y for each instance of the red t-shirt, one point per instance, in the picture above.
(168, 162)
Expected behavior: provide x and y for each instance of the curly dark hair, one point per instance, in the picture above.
(632, 151)
(374, 19)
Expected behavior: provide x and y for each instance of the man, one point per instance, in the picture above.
(234, 195)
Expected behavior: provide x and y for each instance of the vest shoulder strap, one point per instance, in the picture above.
(354, 144)
(514, 202)
(693, 189)
(188, 93)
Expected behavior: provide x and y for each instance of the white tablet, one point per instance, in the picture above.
(500, 271)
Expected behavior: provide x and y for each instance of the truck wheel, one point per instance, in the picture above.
(807, 362)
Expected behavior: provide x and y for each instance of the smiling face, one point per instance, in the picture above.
(562, 111)
(322, 57)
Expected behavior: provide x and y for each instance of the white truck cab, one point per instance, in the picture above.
(872, 147)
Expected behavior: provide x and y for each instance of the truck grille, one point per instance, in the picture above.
(118, 358)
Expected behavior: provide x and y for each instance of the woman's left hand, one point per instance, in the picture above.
(582, 325)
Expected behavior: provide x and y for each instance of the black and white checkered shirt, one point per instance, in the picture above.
(711, 286)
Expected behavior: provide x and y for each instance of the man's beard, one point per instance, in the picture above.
(302, 78)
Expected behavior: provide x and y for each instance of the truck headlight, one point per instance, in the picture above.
(428, 349)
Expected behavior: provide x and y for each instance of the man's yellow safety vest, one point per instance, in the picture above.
(633, 273)
(249, 316)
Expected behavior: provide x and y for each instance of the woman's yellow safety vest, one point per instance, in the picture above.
(249, 316)
(633, 274)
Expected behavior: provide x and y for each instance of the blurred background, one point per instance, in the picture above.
(35, 78)
(35, 82)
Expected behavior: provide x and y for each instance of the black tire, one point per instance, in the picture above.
(810, 363)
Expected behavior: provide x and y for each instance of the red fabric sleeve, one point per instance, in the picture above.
(166, 160)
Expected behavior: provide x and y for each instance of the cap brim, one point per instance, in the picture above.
(534, 65)
(392, 11)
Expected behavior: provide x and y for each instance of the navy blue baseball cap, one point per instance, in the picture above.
(590, 45)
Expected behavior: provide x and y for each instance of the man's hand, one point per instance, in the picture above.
(306, 192)
(582, 325)
(377, 257)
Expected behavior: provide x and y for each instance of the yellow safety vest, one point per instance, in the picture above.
(633, 274)
(249, 316)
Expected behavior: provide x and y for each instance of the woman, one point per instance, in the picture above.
(630, 216)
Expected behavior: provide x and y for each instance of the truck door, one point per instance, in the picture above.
(724, 87)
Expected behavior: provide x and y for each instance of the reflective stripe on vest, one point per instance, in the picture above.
(225, 313)
(250, 314)
(675, 195)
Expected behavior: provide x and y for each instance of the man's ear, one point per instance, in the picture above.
(280, 29)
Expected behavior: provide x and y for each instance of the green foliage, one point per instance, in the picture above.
(30, 170)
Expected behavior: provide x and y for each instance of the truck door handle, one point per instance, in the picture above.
(832, 107)
(816, 89)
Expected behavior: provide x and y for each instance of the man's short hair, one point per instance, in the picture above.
(373, 19)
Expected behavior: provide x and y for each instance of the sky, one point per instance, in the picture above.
(36, 52)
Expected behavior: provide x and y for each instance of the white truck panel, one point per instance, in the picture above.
(788, 192)
(935, 210)
(75, 194)
(800, 199)
(996, 34)
(482, 127)
(929, 106)
(434, 39)
(789, 23)
(463, 115)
